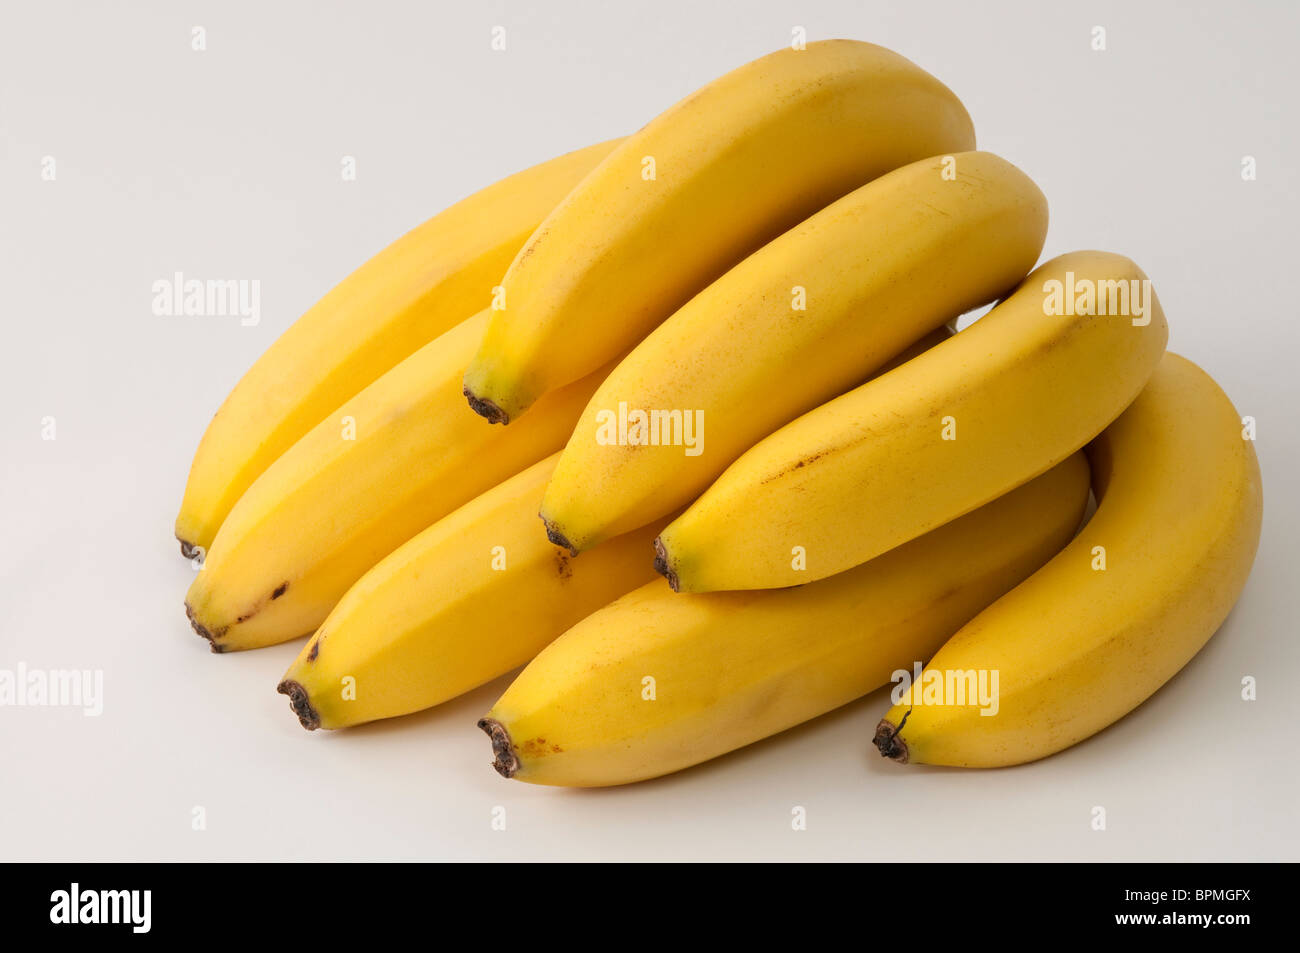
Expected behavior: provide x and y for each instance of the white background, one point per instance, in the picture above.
(226, 164)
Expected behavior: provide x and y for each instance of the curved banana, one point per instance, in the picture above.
(1119, 611)
(1019, 390)
(475, 595)
(870, 273)
(656, 682)
(415, 289)
(400, 455)
(712, 179)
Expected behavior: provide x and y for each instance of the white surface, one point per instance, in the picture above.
(225, 163)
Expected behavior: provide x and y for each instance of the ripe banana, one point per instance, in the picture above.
(1008, 397)
(656, 682)
(712, 179)
(415, 289)
(474, 596)
(870, 274)
(400, 455)
(940, 334)
(1119, 611)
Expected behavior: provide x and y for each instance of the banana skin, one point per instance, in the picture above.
(715, 177)
(874, 271)
(1083, 642)
(657, 682)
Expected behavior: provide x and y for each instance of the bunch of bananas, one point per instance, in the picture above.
(723, 352)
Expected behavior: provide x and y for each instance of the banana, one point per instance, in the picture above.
(415, 289)
(656, 682)
(1119, 611)
(940, 334)
(871, 273)
(475, 595)
(714, 178)
(400, 455)
(1016, 392)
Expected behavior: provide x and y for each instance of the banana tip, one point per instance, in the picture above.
(203, 630)
(300, 703)
(888, 742)
(188, 550)
(486, 408)
(559, 539)
(504, 759)
(662, 567)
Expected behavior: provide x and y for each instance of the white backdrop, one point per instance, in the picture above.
(226, 163)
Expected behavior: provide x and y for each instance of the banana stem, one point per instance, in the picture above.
(888, 742)
(486, 408)
(558, 538)
(203, 630)
(504, 760)
(300, 703)
(662, 567)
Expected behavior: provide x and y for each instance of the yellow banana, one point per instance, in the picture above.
(400, 455)
(869, 274)
(477, 594)
(1019, 390)
(940, 334)
(712, 179)
(1119, 611)
(656, 682)
(408, 294)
